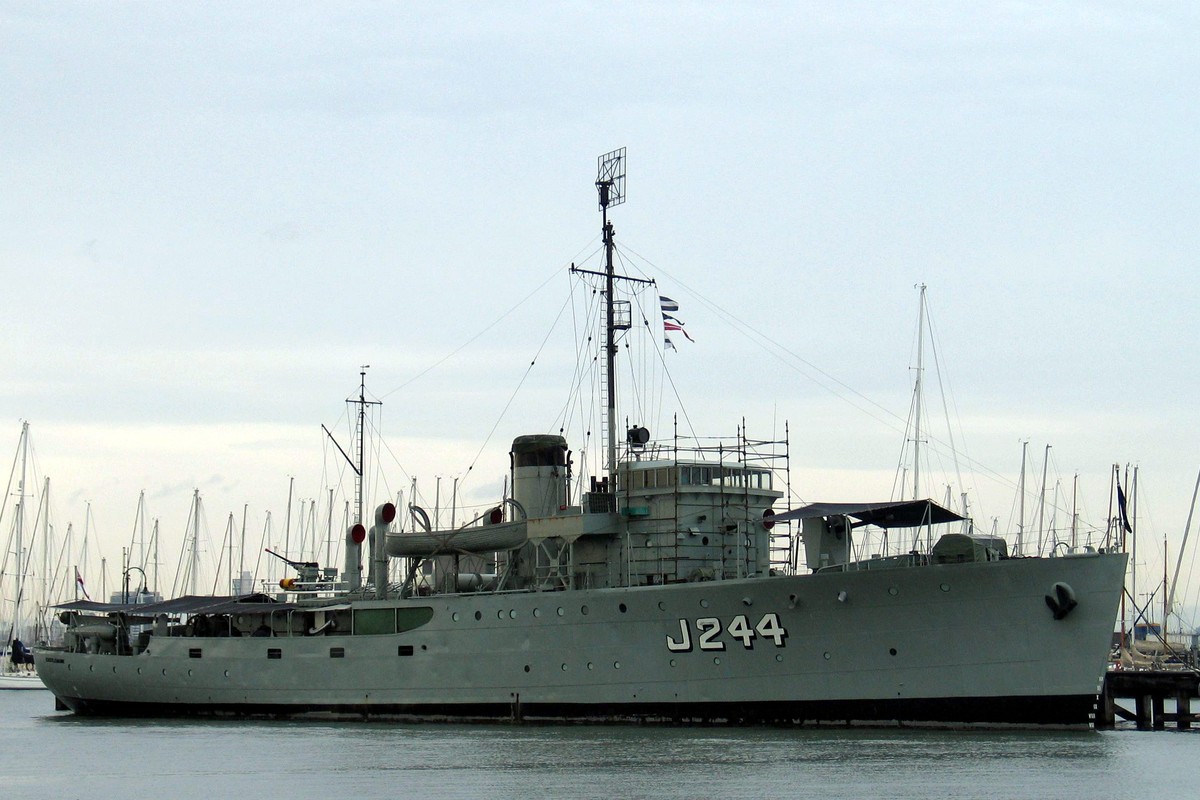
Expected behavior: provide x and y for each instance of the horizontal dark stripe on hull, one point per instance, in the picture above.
(1062, 710)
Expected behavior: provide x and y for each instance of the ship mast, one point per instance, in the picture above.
(605, 187)
(610, 184)
(357, 531)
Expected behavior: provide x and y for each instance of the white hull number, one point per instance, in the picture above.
(708, 633)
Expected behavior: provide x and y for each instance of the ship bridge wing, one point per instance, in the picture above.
(909, 514)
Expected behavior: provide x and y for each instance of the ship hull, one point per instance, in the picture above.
(959, 644)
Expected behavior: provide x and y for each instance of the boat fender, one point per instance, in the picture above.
(1061, 599)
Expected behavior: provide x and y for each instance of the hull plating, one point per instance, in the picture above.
(955, 644)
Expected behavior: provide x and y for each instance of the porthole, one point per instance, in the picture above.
(537, 612)
(226, 673)
(704, 604)
(662, 606)
(564, 667)
(500, 614)
(622, 608)
(91, 667)
(672, 662)
(454, 616)
(717, 660)
(779, 657)
(616, 665)
(512, 613)
(561, 612)
(893, 591)
(892, 651)
(527, 668)
(189, 673)
(590, 666)
(583, 610)
(478, 615)
(139, 670)
(114, 670)
(827, 655)
(945, 587)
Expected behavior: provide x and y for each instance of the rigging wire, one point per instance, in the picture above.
(474, 338)
(825, 380)
(462, 478)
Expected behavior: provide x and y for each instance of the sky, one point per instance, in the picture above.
(213, 214)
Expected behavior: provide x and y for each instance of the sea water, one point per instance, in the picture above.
(52, 754)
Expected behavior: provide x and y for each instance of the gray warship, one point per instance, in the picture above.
(671, 589)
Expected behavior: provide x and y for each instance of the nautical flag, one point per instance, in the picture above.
(671, 323)
(79, 583)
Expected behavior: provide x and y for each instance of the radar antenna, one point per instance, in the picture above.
(610, 179)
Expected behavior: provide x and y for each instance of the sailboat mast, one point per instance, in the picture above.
(917, 396)
(194, 578)
(1183, 546)
(1021, 497)
(20, 524)
(1075, 512)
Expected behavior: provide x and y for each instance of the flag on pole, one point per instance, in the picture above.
(79, 583)
(1124, 513)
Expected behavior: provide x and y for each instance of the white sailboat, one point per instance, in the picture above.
(16, 660)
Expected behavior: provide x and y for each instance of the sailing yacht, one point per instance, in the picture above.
(16, 659)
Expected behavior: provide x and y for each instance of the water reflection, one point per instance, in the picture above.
(205, 759)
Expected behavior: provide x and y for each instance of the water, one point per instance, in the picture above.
(49, 754)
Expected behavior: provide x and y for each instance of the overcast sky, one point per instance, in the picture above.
(213, 213)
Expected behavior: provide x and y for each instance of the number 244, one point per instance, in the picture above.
(709, 629)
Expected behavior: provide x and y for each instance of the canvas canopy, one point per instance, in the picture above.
(909, 514)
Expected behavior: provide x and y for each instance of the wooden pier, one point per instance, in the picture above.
(1149, 689)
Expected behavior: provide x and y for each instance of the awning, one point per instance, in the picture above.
(188, 604)
(910, 514)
